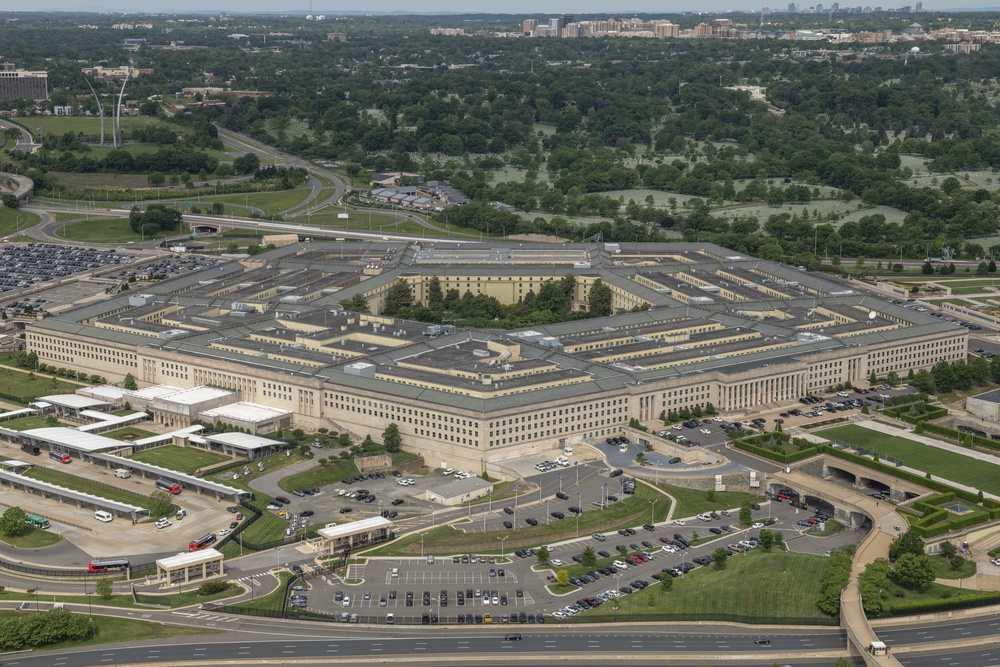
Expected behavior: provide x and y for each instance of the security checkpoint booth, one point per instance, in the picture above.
(349, 536)
(187, 567)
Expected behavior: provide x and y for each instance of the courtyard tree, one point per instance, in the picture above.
(543, 555)
(562, 578)
(746, 515)
(130, 383)
(588, 557)
(391, 438)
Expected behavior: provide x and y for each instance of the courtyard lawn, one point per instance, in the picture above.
(320, 476)
(128, 433)
(944, 570)
(182, 459)
(634, 510)
(942, 464)
(26, 423)
(744, 591)
(92, 487)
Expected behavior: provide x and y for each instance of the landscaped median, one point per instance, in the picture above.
(634, 510)
(96, 488)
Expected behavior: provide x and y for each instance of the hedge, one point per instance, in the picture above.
(968, 599)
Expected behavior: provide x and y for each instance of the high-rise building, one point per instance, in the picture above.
(555, 27)
(793, 8)
(18, 84)
(528, 26)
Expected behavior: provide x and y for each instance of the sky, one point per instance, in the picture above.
(516, 7)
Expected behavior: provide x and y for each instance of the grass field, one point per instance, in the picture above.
(691, 502)
(939, 462)
(13, 221)
(29, 387)
(272, 601)
(104, 230)
(272, 202)
(35, 538)
(91, 125)
(943, 569)
(88, 486)
(746, 587)
(181, 459)
(633, 511)
(95, 180)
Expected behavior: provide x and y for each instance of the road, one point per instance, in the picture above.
(650, 645)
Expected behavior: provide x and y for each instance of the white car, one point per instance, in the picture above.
(677, 427)
(706, 431)
(556, 562)
(224, 531)
(680, 522)
(717, 420)
(757, 526)
(162, 523)
(448, 471)
(669, 548)
(347, 601)
(620, 565)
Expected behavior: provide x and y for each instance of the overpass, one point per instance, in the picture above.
(885, 522)
(19, 186)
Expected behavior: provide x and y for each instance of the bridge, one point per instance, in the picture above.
(17, 185)
(858, 508)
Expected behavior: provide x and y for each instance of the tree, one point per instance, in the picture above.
(667, 582)
(156, 179)
(435, 295)
(991, 267)
(398, 297)
(746, 514)
(622, 549)
(589, 557)
(907, 543)
(543, 555)
(914, 572)
(130, 383)
(873, 379)
(9, 200)
(159, 503)
(719, 557)
(357, 303)
(766, 540)
(552, 298)
(246, 164)
(599, 298)
(956, 562)
(873, 584)
(13, 522)
(391, 438)
(562, 578)
(927, 269)
(104, 588)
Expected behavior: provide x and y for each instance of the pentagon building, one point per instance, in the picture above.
(718, 327)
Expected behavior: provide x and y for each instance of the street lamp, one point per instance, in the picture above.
(560, 481)
(502, 540)
(605, 498)
(422, 544)
(547, 515)
(684, 560)
(652, 511)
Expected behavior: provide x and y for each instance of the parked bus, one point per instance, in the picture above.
(62, 457)
(36, 521)
(168, 485)
(108, 565)
(202, 542)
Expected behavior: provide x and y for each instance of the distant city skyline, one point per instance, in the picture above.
(514, 9)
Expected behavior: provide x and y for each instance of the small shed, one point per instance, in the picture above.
(186, 567)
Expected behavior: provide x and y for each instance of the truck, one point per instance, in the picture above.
(123, 473)
(29, 448)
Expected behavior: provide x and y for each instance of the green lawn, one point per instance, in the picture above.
(745, 588)
(181, 459)
(320, 475)
(112, 630)
(60, 125)
(940, 463)
(26, 423)
(35, 538)
(632, 511)
(943, 569)
(69, 481)
(128, 433)
(829, 528)
(28, 387)
(273, 202)
(270, 602)
(691, 502)
(13, 221)
(104, 230)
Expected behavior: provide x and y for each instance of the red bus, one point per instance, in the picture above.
(108, 565)
(168, 485)
(202, 542)
(62, 457)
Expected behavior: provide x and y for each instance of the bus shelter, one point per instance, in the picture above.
(187, 567)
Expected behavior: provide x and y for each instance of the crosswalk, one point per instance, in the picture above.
(204, 616)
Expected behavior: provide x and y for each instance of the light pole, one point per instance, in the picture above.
(579, 506)
(652, 511)
(684, 560)
(605, 498)
(433, 519)
(547, 515)
(422, 544)
(502, 540)
(560, 481)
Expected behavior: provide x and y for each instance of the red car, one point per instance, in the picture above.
(283, 500)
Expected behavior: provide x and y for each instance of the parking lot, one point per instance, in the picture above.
(416, 591)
